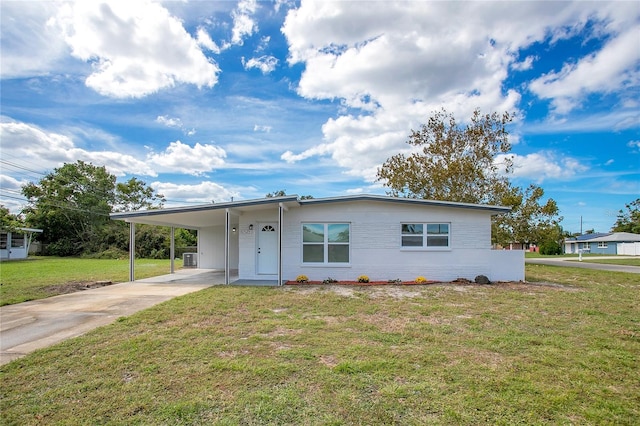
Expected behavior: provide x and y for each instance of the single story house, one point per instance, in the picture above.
(15, 244)
(612, 243)
(382, 237)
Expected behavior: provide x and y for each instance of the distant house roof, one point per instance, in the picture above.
(611, 237)
(618, 237)
(586, 237)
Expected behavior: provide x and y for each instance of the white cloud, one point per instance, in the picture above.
(613, 68)
(243, 23)
(392, 64)
(527, 64)
(265, 129)
(203, 192)
(205, 41)
(182, 158)
(49, 150)
(30, 45)
(136, 48)
(265, 63)
(169, 122)
(540, 166)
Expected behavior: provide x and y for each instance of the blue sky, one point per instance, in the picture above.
(213, 100)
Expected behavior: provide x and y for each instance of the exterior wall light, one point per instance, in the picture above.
(251, 227)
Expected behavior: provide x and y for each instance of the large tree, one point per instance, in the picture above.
(629, 220)
(72, 205)
(471, 164)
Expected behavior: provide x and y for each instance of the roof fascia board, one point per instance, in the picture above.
(235, 205)
(435, 203)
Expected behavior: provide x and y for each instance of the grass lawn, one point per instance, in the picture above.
(40, 277)
(629, 262)
(563, 353)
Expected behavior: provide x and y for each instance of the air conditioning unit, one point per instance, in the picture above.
(190, 260)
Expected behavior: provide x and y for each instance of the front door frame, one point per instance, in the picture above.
(273, 246)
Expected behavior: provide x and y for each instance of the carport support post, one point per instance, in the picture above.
(226, 246)
(172, 249)
(281, 209)
(132, 251)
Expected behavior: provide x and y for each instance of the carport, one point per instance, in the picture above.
(223, 228)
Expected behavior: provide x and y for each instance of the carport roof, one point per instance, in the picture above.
(194, 217)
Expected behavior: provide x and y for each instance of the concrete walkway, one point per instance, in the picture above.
(572, 262)
(28, 326)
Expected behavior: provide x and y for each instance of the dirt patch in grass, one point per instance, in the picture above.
(72, 287)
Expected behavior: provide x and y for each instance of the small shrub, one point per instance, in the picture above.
(302, 278)
(363, 279)
(420, 280)
(396, 281)
(330, 281)
(550, 247)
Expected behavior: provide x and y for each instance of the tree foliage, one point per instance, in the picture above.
(8, 221)
(72, 205)
(470, 164)
(629, 220)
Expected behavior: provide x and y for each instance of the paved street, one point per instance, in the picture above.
(572, 262)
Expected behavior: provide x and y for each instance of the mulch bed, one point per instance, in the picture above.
(370, 283)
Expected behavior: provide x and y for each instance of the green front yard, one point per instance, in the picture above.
(563, 352)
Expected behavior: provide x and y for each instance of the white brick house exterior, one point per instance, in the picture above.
(344, 237)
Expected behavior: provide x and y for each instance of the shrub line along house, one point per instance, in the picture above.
(382, 237)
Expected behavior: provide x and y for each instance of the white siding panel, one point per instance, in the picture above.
(211, 247)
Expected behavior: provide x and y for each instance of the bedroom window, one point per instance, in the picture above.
(425, 235)
(602, 244)
(325, 242)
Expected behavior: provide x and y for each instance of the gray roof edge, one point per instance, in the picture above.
(383, 198)
(204, 207)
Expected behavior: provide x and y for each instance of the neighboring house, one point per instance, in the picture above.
(15, 244)
(612, 243)
(382, 237)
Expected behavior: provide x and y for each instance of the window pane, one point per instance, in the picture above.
(437, 228)
(411, 241)
(338, 253)
(339, 233)
(437, 241)
(313, 233)
(313, 253)
(412, 228)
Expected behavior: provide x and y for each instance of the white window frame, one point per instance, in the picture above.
(325, 244)
(602, 244)
(425, 236)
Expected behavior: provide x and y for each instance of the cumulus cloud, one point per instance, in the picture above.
(613, 68)
(539, 166)
(135, 48)
(31, 46)
(193, 160)
(203, 192)
(265, 63)
(243, 23)
(204, 40)
(50, 150)
(392, 64)
(169, 122)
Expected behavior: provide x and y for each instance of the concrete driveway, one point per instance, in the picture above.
(572, 262)
(28, 326)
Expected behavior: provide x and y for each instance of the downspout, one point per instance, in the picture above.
(172, 250)
(132, 251)
(226, 246)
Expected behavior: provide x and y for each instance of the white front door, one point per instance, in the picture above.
(267, 248)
